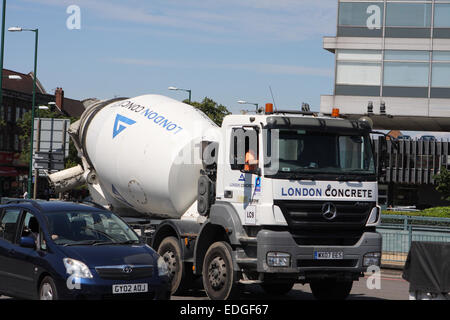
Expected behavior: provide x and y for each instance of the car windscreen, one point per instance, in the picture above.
(88, 227)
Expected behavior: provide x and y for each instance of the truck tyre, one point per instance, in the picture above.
(331, 289)
(47, 289)
(179, 277)
(219, 276)
(277, 289)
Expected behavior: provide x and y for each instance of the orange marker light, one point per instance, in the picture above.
(335, 113)
(269, 107)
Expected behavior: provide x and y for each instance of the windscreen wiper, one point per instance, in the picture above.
(86, 243)
(126, 242)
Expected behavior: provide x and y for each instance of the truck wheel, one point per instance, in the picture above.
(219, 276)
(277, 289)
(170, 250)
(331, 289)
(47, 289)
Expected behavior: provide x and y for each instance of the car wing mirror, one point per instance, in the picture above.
(27, 242)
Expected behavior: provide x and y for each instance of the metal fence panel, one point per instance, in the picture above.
(399, 232)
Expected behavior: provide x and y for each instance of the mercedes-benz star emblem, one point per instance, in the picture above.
(127, 269)
(329, 211)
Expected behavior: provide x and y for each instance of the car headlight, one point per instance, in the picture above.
(372, 259)
(278, 259)
(77, 268)
(374, 218)
(163, 270)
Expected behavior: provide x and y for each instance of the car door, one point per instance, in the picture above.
(8, 232)
(25, 259)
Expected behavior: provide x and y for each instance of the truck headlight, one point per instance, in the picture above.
(278, 259)
(163, 270)
(372, 259)
(77, 268)
(374, 217)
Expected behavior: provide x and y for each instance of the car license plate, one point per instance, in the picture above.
(328, 255)
(130, 288)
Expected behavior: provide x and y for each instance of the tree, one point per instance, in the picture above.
(443, 183)
(211, 108)
(25, 125)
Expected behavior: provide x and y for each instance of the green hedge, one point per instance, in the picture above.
(438, 212)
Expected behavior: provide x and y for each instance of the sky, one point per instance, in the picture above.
(227, 50)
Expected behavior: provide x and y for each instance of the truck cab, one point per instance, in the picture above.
(305, 209)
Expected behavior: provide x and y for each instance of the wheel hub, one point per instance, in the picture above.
(217, 273)
(171, 261)
(46, 292)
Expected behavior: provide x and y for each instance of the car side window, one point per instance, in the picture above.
(9, 224)
(30, 226)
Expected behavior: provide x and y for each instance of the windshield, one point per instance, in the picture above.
(310, 152)
(88, 227)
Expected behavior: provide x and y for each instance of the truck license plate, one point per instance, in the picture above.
(130, 288)
(328, 255)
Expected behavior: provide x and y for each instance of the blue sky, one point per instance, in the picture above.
(227, 50)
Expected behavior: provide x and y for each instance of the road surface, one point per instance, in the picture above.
(393, 287)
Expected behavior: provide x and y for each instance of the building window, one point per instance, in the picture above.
(408, 15)
(442, 15)
(357, 14)
(406, 68)
(16, 142)
(440, 77)
(410, 74)
(358, 67)
(360, 19)
(9, 114)
(403, 55)
(17, 114)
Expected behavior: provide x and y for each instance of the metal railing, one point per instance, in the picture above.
(400, 231)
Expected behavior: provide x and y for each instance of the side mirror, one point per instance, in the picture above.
(27, 242)
(257, 171)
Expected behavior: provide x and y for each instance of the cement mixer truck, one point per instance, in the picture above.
(273, 198)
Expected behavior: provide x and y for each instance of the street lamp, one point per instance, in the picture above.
(178, 89)
(252, 103)
(30, 172)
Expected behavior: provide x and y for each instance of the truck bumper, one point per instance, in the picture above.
(302, 258)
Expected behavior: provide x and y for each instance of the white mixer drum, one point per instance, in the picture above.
(146, 153)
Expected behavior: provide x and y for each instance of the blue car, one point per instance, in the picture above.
(64, 251)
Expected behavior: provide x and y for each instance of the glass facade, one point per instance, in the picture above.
(394, 19)
(394, 73)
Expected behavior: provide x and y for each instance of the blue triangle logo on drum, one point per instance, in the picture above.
(119, 124)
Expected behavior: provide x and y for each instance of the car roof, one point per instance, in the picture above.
(54, 206)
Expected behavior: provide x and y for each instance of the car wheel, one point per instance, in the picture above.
(219, 276)
(179, 277)
(47, 289)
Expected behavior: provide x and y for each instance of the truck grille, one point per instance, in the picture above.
(119, 272)
(309, 227)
